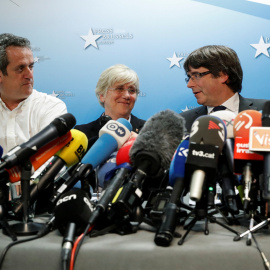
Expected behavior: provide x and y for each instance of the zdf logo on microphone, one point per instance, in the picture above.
(120, 131)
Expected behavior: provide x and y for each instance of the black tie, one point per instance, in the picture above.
(219, 108)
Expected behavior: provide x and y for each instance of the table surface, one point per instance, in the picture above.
(217, 250)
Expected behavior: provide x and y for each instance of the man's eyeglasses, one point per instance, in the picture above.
(196, 76)
(120, 90)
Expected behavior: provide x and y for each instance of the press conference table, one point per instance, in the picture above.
(138, 251)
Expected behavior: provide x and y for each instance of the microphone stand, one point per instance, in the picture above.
(201, 212)
(26, 227)
(253, 229)
(254, 216)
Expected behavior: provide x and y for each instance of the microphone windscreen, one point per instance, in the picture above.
(228, 118)
(73, 152)
(266, 114)
(73, 206)
(64, 123)
(244, 121)
(160, 134)
(208, 130)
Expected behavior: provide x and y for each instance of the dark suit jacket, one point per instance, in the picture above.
(91, 129)
(244, 104)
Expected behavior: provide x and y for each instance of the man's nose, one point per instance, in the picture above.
(29, 73)
(190, 83)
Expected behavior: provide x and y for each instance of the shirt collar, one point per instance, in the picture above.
(232, 104)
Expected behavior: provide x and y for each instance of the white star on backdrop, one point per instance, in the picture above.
(90, 39)
(175, 60)
(186, 109)
(261, 47)
(54, 94)
(36, 59)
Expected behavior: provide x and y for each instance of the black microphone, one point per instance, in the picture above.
(165, 231)
(226, 177)
(122, 170)
(19, 154)
(72, 213)
(151, 155)
(207, 137)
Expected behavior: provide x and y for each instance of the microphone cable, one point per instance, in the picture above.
(265, 261)
(40, 234)
(77, 245)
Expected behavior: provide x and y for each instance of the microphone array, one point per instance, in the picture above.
(150, 175)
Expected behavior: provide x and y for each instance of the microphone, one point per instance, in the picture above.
(207, 137)
(122, 156)
(227, 179)
(20, 154)
(103, 169)
(41, 156)
(68, 156)
(112, 136)
(246, 162)
(72, 213)
(260, 142)
(122, 169)
(165, 232)
(151, 155)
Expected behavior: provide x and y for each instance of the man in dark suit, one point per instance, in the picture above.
(117, 91)
(214, 74)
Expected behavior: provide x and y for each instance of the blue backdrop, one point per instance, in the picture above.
(74, 41)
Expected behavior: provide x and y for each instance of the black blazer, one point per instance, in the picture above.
(91, 129)
(244, 104)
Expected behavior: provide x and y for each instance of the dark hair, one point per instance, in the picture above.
(218, 58)
(7, 40)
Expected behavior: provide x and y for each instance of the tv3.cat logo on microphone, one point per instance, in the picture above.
(120, 131)
(259, 139)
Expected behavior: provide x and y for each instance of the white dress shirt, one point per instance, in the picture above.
(31, 116)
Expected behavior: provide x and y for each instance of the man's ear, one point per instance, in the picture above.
(1, 76)
(224, 77)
